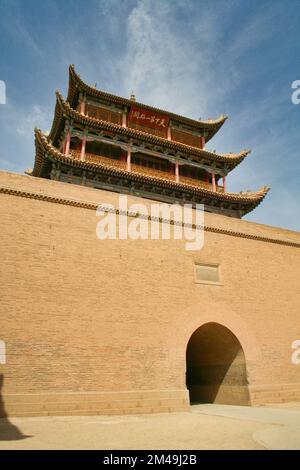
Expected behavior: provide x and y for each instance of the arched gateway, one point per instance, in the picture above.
(216, 367)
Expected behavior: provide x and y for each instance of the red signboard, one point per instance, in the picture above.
(144, 117)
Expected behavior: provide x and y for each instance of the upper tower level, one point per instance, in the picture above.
(105, 141)
(130, 113)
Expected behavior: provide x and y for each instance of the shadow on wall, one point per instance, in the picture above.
(8, 431)
(216, 367)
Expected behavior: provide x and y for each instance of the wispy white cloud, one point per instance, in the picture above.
(161, 65)
(191, 70)
(17, 124)
(196, 58)
(34, 117)
(197, 72)
(15, 26)
(250, 36)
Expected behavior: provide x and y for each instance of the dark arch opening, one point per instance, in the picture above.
(216, 367)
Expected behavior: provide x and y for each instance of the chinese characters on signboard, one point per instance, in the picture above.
(147, 118)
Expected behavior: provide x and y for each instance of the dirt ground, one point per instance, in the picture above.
(204, 427)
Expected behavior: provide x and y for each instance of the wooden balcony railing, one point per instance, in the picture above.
(145, 170)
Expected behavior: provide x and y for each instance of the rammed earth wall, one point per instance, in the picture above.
(95, 326)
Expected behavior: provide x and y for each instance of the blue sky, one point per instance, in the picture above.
(194, 57)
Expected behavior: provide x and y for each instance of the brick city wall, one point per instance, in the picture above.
(95, 326)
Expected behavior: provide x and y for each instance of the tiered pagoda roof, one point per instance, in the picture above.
(64, 112)
(58, 156)
(77, 85)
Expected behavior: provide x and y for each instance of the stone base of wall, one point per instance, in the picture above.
(278, 393)
(137, 402)
(105, 403)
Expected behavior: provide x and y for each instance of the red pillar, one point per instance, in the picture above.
(67, 142)
(213, 182)
(202, 142)
(224, 184)
(124, 119)
(129, 160)
(83, 144)
(169, 136)
(82, 106)
(177, 171)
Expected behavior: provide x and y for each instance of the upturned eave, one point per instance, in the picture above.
(64, 112)
(46, 153)
(77, 86)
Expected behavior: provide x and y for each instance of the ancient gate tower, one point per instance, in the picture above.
(115, 326)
